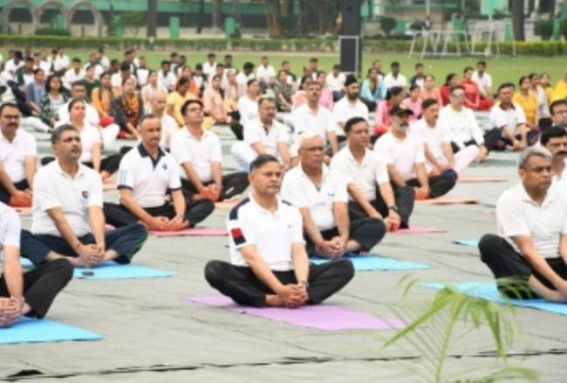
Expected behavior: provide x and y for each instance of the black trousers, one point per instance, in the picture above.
(232, 184)
(118, 216)
(41, 285)
(366, 231)
(243, 286)
(108, 164)
(438, 185)
(5, 196)
(404, 197)
(126, 241)
(511, 270)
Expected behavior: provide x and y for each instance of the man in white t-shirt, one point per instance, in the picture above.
(437, 142)
(348, 107)
(369, 188)
(321, 196)
(74, 74)
(336, 82)
(79, 92)
(528, 255)
(199, 154)
(27, 294)
(242, 78)
(483, 80)
(18, 155)
(554, 139)
(264, 135)
(266, 73)
(210, 67)
(147, 175)
(67, 218)
(269, 262)
(510, 120)
(405, 158)
(395, 78)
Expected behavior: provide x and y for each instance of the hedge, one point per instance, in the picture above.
(545, 48)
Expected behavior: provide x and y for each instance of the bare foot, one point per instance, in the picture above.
(274, 301)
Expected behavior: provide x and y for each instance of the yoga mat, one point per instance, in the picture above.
(115, 271)
(489, 292)
(447, 201)
(374, 262)
(419, 230)
(321, 317)
(481, 179)
(110, 270)
(467, 242)
(28, 330)
(195, 232)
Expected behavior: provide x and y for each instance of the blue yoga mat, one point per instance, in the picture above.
(38, 331)
(467, 242)
(490, 292)
(111, 271)
(375, 262)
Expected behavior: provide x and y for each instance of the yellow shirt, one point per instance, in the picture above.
(560, 90)
(176, 101)
(550, 94)
(529, 105)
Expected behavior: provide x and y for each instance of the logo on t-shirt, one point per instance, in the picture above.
(85, 194)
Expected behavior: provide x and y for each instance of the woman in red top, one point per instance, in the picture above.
(451, 80)
(472, 93)
(394, 96)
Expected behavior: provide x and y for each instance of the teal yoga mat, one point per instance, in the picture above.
(489, 291)
(467, 242)
(39, 331)
(375, 262)
(111, 271)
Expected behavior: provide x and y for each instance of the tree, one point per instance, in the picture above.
(217, 16)
(152, 18)
(134, 21)
(201, 17)
(518, 20)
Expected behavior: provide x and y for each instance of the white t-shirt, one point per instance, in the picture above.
(200, 153)
(168, 130)
(434, 137)
(273, 234)
(89, 137)
(91, 118)
(10, 229)
(13, 154)
(390, 81)
(344, 110)
(305, 120)
(301, 192)
(336, 84)
(53, 188)
(255, 132)
(166, 80)
(512, 117)
(148, 179)
(71, 77)
(462, 125)
(209, 70)
(483, 82)
(366, 176)
(518, 215)
(266, 73)
(404, 154)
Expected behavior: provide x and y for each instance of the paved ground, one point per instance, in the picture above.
(151, 334)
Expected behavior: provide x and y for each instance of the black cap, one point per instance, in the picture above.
(400, 111)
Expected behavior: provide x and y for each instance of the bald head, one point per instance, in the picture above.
(157, 102)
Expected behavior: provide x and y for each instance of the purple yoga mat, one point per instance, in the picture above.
(419, 230)
(321, 317)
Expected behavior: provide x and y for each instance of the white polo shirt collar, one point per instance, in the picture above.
(144, 153)
(80, 171)
(550, 197)
(260, 209)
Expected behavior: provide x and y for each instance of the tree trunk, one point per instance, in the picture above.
(518, 20)
(152, 18)
(273, 11)
(201, 17)
(217, 16)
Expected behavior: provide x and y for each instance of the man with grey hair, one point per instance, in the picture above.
(168, 125)
(528, 256)
(321, 196)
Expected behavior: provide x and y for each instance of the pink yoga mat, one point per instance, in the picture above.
(481, 179)
(196, 232)
(447, 201)
(419, 230)
(321, 317)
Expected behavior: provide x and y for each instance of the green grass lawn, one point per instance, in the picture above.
(502, 69)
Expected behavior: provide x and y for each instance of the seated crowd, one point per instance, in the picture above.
(359, 157)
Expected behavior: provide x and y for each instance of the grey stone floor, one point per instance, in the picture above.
(152, 334)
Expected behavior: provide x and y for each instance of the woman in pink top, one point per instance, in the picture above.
(382, 123)
(413, 102)
(430, 91)
(213, 102)
(326, 99)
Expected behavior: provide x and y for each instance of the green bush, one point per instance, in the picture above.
(544, 28)
(388, 24)
(50, 31)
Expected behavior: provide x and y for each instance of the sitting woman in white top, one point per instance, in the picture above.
(92, 143)
(25, 294)
(269, 263)
(527, 257)
(247, 108)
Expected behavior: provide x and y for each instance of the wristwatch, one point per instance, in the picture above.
(394, 208)
(304, 283)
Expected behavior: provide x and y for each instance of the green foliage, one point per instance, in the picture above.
(563, 28)
(51, 31)
(441, 317)
(388, 24)
(134, 21)
(544, 28)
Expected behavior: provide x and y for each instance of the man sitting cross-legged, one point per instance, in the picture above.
(269, 262)
(147, 173)
(67, 220)
(369, 185)
(528, 257)
(321, 196)
(31, 293)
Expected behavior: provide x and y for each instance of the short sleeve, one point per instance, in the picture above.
(297, 227)
(95, 191)
(381, 172)
(13, 226)
(282, 134)
(420, 151)
(125, 175)
(30, 148)
(174, 181)
(179, 150)
(252, 134)
(240, 229)
(498, 120)
(216, 155)
(45, 192)
(520, 116)
(510, 218)
(292, 192)
(341, 192)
